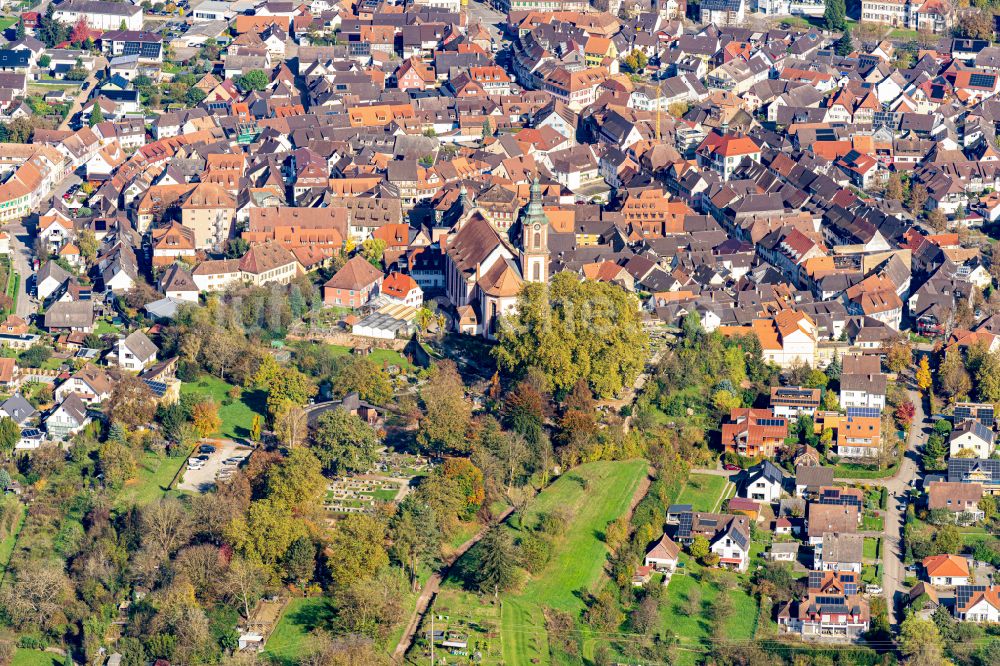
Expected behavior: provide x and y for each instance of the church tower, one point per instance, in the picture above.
(535, 238)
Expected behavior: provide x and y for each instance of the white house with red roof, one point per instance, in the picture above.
(403, 289)
(723, 153)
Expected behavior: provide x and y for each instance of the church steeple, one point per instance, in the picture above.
(535, 238)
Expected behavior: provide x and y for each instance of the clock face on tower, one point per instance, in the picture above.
(537, 227)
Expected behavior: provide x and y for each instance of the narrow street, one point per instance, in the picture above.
(21, 254)
(81, 98)
(893, 568)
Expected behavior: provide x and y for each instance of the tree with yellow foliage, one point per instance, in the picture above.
(924, 379)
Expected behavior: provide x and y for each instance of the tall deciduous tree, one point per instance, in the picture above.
(357, 549)
(131, 402)
(924, 379)
(573, 329)
(921, 642)
(344, 443)
(10, 433)
(446, 411)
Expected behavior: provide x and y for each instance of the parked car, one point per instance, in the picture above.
(730, 467)
(206, 448)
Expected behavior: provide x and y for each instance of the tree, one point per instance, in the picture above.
(844, 45)
(416, 535)
(361, 374)
(291, 426)
(255, 79)
(988, 378)
(344, 443)
(236, 247)
(195, 96)
(245, 582)
(952, 377)
(372, 250)
(894, 187)
(87, 243)
(297, 482)
(699, 547)
(96, 115)
(10, 434)
(899, 355)
(976, 24)
(948, 540)
(636, 61)
(924, 380)
(19, 30)
(573, 329)
(357, 550)
(920, 642)
(918, 198)
(35, 356)
(937, 220)
(835, 15)
(266, 532)
(131, 402)
(205, 415)
(447, 413)
(497, 568)
(255, 428)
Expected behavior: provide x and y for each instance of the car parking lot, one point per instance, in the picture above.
(203, 469)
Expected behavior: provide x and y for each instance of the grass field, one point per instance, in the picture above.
(693, 629)
(6, 22)
(154, 476)
(24, 657)
(236, 416)
(870, 523)
(378, 356)
(290, 638)
(854, 471)
(702, 491)
(870, 549)
(596, 494)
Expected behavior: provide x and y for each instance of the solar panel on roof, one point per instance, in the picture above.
(771, 422)
(815, 578)
(982, 80)
(684, 525)
(864, 412)
(965, 592)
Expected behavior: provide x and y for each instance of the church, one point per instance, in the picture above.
(485, 270)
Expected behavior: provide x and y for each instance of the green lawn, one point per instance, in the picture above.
(154, 476)
(871, 523)
(24, 657)
(693, 629)
(870, 551)
(702, 491)
(6, 22)
(378, 356)
(105, 327)
(595, 494)
(855, 471)
(290, 638)
(236, 416)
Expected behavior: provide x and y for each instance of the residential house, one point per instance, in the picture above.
(764, 482)
(727, 534)
(353, 285)
(754, 432)
(67, 418)
(91, 383)
(961, 500)
(70, 316)
(946, 570)
(971, 439)
(839, 552)
(833, 608)
(810, 478)
(825, 518)
(136, 352)
(978, 603)
(792, 401)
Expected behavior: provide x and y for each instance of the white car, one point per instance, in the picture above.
(873, 589)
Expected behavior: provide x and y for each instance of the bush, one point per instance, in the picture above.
(534, 552)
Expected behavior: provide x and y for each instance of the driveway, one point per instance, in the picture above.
(202, 480)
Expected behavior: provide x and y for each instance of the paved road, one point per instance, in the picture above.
(99, 64)
(21, 243)
(893, 568)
